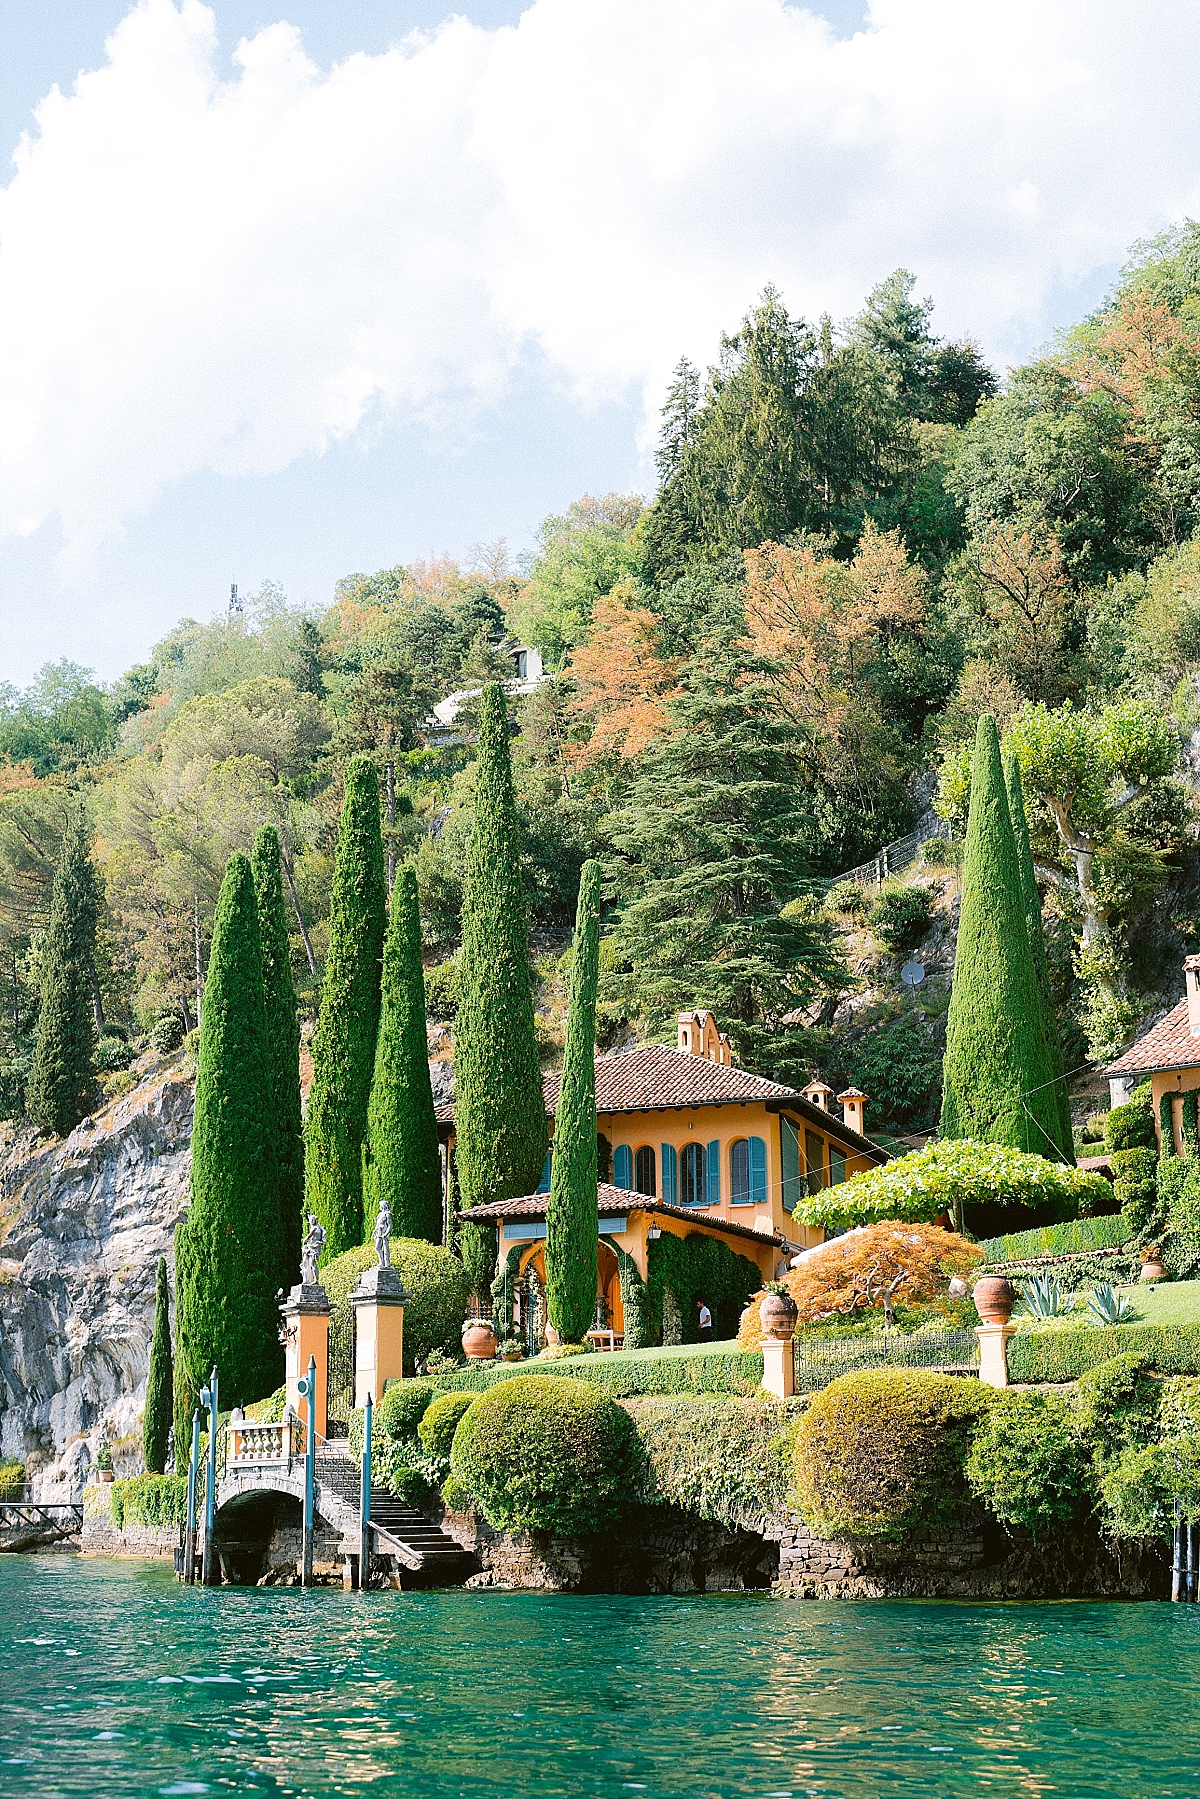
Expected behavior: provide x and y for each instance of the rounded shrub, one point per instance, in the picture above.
(1029, 1463)
(900, 917)
(1117, 1403)
(402, 1408)
(847, 897)
(881, 1451)
(540, 1452)
(437, 1285)
(437, 1427)
(166, 1034)
(1129, 1127)
(113, 1055)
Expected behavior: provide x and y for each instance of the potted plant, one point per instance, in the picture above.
(778, 1312)
(1153, 1267)
(478, 1339)
(104, 1467)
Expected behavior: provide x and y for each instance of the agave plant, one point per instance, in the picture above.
(1043, 1296)
(1106, 1304)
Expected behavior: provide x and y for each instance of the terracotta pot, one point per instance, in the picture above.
(106, 1475)
(778, 1314)
(478, 1340)
(552, 1337)
(994, 1298)
(1152, 1270)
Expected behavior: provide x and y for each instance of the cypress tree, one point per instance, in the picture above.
(348, 1025)
(185, 1388)
(286, 1124)
(998, 1085)
(64, 1062)
(572, 1224)
(156, 1420)
(1064, 1139)
(499, 1108)
(400, 1155)
(226, 1303)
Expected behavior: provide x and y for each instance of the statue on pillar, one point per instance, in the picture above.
(310, 1253)
(383, 1235)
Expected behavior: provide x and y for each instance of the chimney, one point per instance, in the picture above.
(817, 1093)
(699, 1036)
(853, 1103)
(689, 1033)
(1191, 975)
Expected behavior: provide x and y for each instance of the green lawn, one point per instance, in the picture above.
(669, 1349)
(1174, 1302)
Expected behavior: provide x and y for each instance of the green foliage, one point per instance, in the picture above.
(572, 1224)
(160, 1380)
(582, 557)
(932, 1180)
(1028, 1462)
(113, 1055)
(12, 1480)
(1107, 1232)
(543, 1453)
(1117, 1403)
(441, 1420)
(64, 1061)
(1129, 1127)
(849, 898)
(729, 1460)
(344, 1044)
(899, 1066)
(400, 1155)
(999, 1085)
(227, 1313)
(402, 1408)
(942, 852)
(286, 1124)
(900, 917)
(1037, 951)
(167, 1033)
(1139, 1487)
(1042, 1296)
(631, 1376)
(435, 1281)
(186, 1389)
(880, 1452)
(682, 1271)
(1106, 1305)
(157, 1501)
(443, 989)
(500, 1113)
(1057, 1354)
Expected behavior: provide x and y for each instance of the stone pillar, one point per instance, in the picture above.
(378, 1298)
(779, 1366)
(306, 1333)
(993, 1353)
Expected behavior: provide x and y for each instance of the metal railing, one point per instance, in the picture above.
(819, 1360)
(895, 858)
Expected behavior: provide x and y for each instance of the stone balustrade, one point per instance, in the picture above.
(256, 1445)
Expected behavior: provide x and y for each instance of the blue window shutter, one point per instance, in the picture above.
(543, 1185)
(623, 1166)
(714, 1174)
(758, 1172)
(670, 1175)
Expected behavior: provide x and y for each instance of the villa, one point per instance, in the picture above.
(690, 1144)
(1169, 1054)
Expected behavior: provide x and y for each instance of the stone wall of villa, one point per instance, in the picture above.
(100, 1535)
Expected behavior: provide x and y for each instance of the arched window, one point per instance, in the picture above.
(623, 1166)
(739, 1172)
(645, 1171)
(693, 1175)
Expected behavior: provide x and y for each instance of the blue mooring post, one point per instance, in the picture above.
(1177, 1592)
(364, 1535)
(208, 1396)
(189, 1540)
(1191, 1569)
(307, 1388)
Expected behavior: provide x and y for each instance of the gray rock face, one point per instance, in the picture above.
(91, 1215)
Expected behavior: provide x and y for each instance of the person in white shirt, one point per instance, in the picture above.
(706, 1323)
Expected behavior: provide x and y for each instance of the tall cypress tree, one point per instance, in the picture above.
(998, 1084)
(64, 1062)
(572, 1223)
(185, 1389)
(227, 1307)
(160, 1382)
(286, 1124)
(400, 1155)
(1064, 1137)
(348, 1025)
(499, 1109)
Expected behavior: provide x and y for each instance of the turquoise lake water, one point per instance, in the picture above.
(114, 1680)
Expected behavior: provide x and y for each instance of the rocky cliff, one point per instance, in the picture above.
(83, 1221)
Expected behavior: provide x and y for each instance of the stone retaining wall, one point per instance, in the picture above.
(101, 1536)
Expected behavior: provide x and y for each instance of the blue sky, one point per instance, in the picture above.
(273, 322)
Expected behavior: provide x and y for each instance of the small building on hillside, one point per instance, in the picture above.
(691, 1145)
(1169, 1057)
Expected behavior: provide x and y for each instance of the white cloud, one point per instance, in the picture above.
(227, 275)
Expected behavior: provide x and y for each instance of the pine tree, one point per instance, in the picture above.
(64, 1062)
(499, 1110)
(1064, 1138)
(998, 1084)
(160, 1381)
(226, 1304)
(286, 1124)
(400, 1156)
(572, 1223)
(344, 1044)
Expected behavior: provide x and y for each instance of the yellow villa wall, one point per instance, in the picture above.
(1177, 1080)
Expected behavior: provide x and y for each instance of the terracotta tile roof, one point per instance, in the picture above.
(610, 1200)
(647, 1079)
(1169, 1044)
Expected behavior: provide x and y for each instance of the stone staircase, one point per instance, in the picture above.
(427, 1555)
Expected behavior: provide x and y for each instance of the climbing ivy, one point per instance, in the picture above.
(682, 1271)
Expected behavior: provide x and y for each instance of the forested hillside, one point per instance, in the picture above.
(862, 538)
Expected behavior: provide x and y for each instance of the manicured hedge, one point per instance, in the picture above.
(437, 1285)
(629, 1376)
(402, 1408)
(720, 1458)
(437, 1427)
(1065, 1354)
(1077, 1234)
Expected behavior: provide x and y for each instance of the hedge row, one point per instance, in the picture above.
(726, 1459)
(1108, 1232)
(730, 1371)
(1065, 1354)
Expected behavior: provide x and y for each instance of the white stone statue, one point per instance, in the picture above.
(383, 1235)
(310, 1253)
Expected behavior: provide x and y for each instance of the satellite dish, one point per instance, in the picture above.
(912, 974)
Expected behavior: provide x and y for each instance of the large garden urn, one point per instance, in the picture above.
(1153, 1267)
(994, 1298)
(777, 1314)
(478, 1340)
